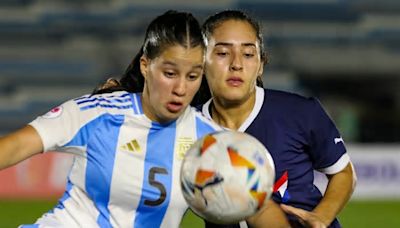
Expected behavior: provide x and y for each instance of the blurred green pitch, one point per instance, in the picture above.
(357, 214)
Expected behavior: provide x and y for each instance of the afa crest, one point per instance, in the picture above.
(183, 144)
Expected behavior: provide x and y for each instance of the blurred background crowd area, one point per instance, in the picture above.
(345, 52)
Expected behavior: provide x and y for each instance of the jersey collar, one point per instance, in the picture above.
(256, 109)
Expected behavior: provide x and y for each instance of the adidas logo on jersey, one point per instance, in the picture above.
(132, 146)
(183, 145)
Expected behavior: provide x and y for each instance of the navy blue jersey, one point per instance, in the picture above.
(301, 138)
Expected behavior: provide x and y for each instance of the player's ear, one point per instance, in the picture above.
(261, 69)
(144, 65)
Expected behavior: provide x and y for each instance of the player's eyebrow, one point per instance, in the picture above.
(223, 44)
(199, 66)
(231, 44)
(249, 45)
(169, 63)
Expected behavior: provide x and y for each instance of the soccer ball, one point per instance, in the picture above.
(227, 176)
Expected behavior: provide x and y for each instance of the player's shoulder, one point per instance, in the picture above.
(286, 99)
(113, 97)
(118, 102)
(280, 95)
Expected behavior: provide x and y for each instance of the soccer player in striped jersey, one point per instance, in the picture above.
(296, 130)
(128, 145)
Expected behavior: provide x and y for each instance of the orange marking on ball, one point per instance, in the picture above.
(237, 160)
(202, 176)
(208, 141)
(259, 196)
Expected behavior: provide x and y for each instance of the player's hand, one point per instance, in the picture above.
(307, 218)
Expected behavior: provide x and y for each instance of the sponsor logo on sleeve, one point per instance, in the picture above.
(54, 113)
(338, 140)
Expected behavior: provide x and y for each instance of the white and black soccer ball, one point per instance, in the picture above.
(227, 176)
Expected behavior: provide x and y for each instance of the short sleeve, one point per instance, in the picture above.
(58, 126)
(327, 148)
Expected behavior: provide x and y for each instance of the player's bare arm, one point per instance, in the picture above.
(271, 216)
(340, 187)
(19, 146)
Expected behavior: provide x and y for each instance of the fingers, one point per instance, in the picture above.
(299, 213)
(294, 211)
(307, 218)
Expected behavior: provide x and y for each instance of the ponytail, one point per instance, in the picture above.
(132, 80)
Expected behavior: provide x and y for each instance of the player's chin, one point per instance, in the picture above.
(173, 114)
(235, 98)
(234, 94)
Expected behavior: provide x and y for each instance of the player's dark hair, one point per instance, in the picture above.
(168, 29)
(217, 19)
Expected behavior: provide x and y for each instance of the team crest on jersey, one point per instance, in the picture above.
(183, 145)
(131, 146)
(54, 113)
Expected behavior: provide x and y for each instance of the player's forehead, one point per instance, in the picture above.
(234, 32)
(181, 56)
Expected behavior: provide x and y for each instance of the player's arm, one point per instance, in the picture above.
(271, 216)
(340, 187)
(19, 145)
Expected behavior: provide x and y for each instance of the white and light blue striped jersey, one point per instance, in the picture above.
(126, 167)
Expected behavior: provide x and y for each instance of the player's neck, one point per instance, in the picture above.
(232, 115)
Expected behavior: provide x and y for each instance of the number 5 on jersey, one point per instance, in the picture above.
(153, 182)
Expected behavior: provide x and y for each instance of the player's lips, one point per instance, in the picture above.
(174, 106)
(234, 81)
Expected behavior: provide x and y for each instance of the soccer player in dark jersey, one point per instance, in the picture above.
(296, 130)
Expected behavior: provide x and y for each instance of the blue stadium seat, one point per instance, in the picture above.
(301, 11)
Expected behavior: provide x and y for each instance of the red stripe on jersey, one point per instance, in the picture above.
(281, 181)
